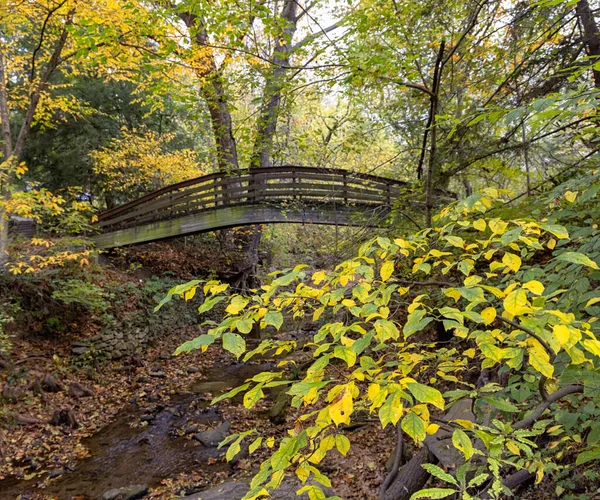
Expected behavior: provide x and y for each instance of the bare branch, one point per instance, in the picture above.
(543, 406)
(314, 36)
(51, 12)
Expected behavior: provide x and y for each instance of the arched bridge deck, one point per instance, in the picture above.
(255, 196)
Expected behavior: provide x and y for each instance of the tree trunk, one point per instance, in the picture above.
(271, 101)
(590, 35)
(214, 93)
(269, 114)
(6, 155)
(431, 172)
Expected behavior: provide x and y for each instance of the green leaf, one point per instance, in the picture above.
(274, 318)
(416, 322)
(244, 325)
(342, 443)
(462, 442)
(478, 480)
(425, 394)
(346, 354)
(255, 444)
(577, 258)
(208, 304)
(253, 396)
(391, 410)
(197, 343)
(230, 394)
(438, 472)
(433, 493)
(414, 426)
(234, 343)
(588, 456)
(233, 449)
(559, 231)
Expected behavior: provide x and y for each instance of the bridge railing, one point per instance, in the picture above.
(258, 186)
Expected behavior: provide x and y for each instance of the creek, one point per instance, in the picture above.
(122, 455)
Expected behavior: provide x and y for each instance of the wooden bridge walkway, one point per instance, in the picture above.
(255, 196)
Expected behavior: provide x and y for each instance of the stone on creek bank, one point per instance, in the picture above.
(77, 390)
(50, 384)
(235, 490)
(128, 493)
(213, 437)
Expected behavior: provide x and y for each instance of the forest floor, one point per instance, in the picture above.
(42, 460)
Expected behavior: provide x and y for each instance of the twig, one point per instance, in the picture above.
(532, 334)
(544, 405)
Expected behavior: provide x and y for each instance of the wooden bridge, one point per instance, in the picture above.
(255, 196)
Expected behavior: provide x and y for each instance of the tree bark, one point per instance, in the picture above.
(271, 101)
(432, 151)
(590, 35)
(214, 93)
(6, 155)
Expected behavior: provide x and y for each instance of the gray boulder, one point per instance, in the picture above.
(128, 493)
(235, 490)
(230, 490)
(213, 437)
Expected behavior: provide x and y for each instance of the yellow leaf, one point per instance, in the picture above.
(512, 261)
(593, 301)
(318, 277)
(489, 315)
(373, 390)
(480, 225)
(570, 196)
(318, 312)
(539, 359)
(467, 424)
(341, 408)
(387, 269)
(469, 353)
(432, 429)
(516, 303)
(513, 447)
(551, 244)
(592, 346)
(534, 286)
(497, 226)
(562, 334)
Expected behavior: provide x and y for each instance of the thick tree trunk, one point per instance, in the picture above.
(269, 114)
(220, 115)
(590, 34)
(215, 95)
(10, 153)
(271, 101)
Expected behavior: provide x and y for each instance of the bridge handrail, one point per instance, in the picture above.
(226, 187)
(239, 172)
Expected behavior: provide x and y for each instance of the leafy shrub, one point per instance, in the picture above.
(496, 286)
(81, 293)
